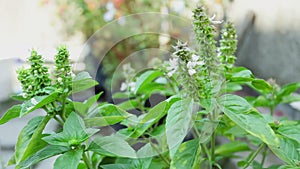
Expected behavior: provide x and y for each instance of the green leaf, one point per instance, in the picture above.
(286, 167)
(18, 97)
(128, 104)
(290, 98)
(82, 81)
(262, 101)
(74, 132)
(12, 160)
(121, 95)
(68, 160)
(158, 131)
(232, 87)
(288, 150)
(36, 142)
(231, 147)
(92, 100)
(241, 112)
(103, 121)
(145, 78)
(152, 117)
(261, 86)
(140, 163)
(148, 151)
(83, 107)
(177, 124)
(108, 110)
(157, 164)
(187, 156)
(117, 166)
(29, 140)
(288, 89)
(82, 165)
(11, 113)
(112, 146)
(42, 154)
(290, 131)
(240, 74)
(153, 87)
(36, 103)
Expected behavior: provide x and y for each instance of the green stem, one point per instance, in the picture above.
(59, 120)
(272, 110)
(203, 146)
(171, 82)
(252, 157)
(87, 161)
(196, 131)
(264, 155)
(205, 150)
(213, 137)
(63, 109)
(159, 154)
(213, 143)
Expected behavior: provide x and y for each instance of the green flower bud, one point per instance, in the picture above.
(24, 78)
(205, 34)
(183, 51)
(228, 45)
(38, 74)
(62, 70)
(34, 79)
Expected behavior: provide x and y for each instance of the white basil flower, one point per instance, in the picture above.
(173, 66)
(214, 21)
(191, 65)
(191, 72)
(123, 86)
(131, 85)
(195, 57)
(200, 63)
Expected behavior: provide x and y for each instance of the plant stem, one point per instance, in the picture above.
(202, 145)
(160, 155)
(171, 82)
(87, 161)
(254, 155)
(264, 155)
(213, 143)
(272, 110)
(59, 121)
(63, 109)
(213, 137)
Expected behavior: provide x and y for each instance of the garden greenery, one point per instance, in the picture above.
(200, 85)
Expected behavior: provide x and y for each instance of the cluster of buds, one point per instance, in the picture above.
(200, 72)
(185, 66)
(185, 59)
(25, 79)
(205, 36)
(35, 79)
(62, 70)
(228, 44)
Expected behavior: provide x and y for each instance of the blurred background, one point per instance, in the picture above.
(268, 33)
